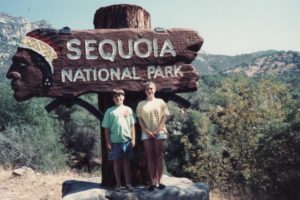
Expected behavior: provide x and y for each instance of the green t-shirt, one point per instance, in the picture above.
(119, 120)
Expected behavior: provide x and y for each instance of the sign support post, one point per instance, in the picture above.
(121, 16)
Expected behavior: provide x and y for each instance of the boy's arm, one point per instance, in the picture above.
(107, 139)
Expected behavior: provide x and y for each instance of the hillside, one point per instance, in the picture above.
(282, 65)
(210, 63)
(276, 64)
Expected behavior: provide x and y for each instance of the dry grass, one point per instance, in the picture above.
(35, 186)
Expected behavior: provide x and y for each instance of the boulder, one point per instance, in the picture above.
(176, 188)
(22, 171)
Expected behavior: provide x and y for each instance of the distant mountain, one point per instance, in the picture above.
(209, 63)
(283, 65)
(11, 30)
(276, 64)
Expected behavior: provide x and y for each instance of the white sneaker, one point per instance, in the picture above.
(129, 188)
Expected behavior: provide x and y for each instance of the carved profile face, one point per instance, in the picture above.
(26, 74)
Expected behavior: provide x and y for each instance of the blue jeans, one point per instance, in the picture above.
(118, 150)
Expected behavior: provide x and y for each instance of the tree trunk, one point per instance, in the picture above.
(123, 16)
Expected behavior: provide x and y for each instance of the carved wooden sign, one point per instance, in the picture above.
(55, 63)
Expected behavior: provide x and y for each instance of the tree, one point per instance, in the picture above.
(277, 157)
(255, 113)
(81, 135)
(248, 138)
(192, 149)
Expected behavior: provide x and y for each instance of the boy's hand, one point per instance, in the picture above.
(133, 143)
(108, 145)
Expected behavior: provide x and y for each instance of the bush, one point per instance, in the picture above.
(28, 135)
(27, 145)
(192, 151)
(247, 139)
(81, 135)
(278, 163)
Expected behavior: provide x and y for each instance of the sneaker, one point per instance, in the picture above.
(129, 188)
(118, 188)
(151, 188)
(161, 186)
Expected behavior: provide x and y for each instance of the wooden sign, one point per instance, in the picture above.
(55, 63)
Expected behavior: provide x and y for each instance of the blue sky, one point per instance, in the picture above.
(228, 27)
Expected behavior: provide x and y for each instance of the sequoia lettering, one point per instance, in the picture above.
(108, 49)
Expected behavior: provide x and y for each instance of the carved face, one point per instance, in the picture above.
(26, 74)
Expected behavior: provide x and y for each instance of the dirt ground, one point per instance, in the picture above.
(37, 186)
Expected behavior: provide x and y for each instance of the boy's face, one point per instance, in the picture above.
(118, 99)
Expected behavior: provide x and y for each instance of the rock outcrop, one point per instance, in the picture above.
(176, 188)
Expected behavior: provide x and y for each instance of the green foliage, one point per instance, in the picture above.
(13, 113)
(277, 164)
(292, 79)
(252, 105)
(224, 142)
(82, 132)
(74, 128)
(28, 135)
(81, 129)
(205, 98)
(27, 145)
(192, 149)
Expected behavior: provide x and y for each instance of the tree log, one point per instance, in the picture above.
(122, 16)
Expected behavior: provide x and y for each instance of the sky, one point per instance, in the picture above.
(229, 27)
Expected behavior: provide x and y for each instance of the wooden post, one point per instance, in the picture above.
(122, 16)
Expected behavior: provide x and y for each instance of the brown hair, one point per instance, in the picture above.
(117, 91)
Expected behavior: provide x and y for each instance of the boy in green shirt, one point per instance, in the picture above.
(118, 123)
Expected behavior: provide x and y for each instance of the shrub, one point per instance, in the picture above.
(81, 135)
(192, 151)
(27, 145)
(28, 135)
